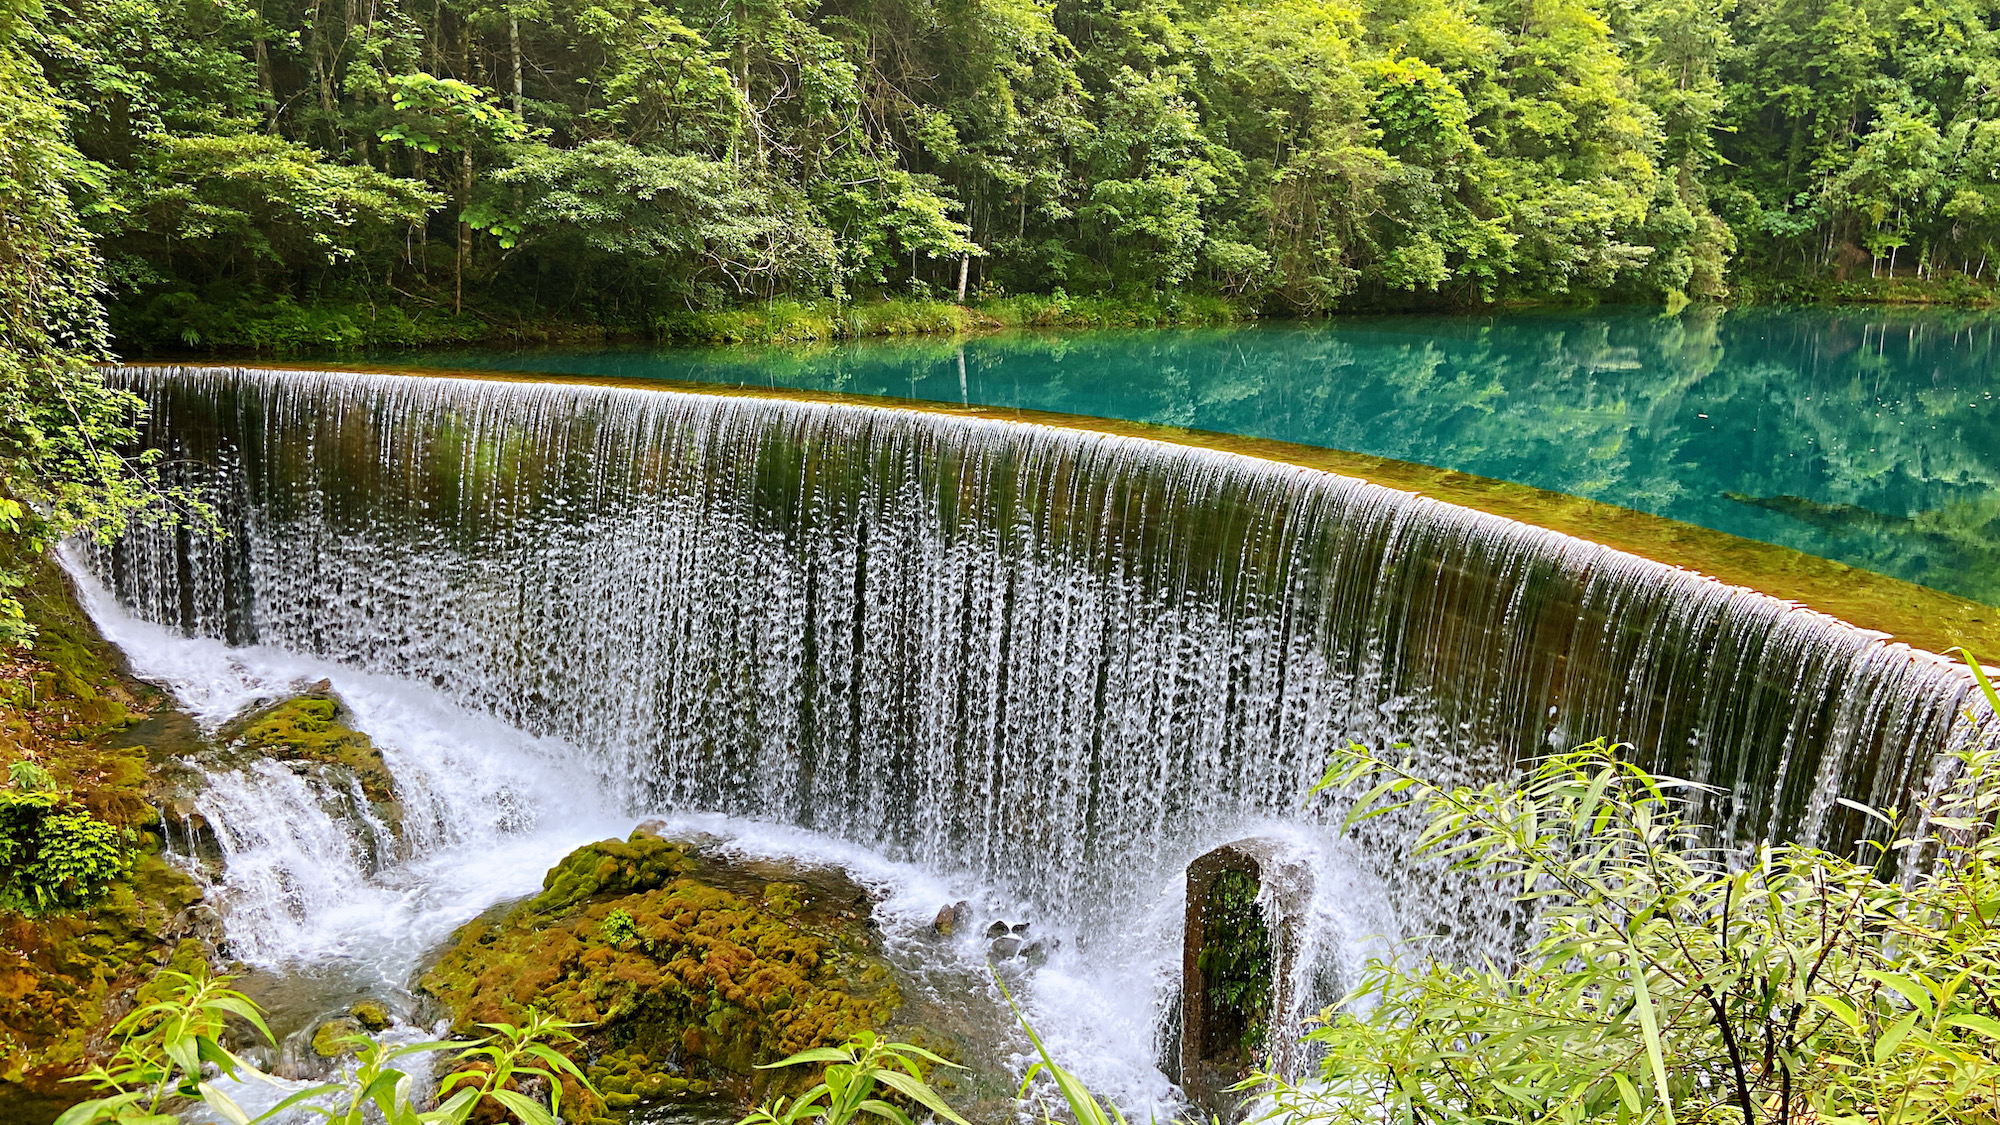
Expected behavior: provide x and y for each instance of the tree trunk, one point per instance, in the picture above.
(464, 231)
(514, 45)
(964, 267)
(267, 95)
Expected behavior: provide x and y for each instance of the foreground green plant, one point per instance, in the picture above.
(847, 1089)
(1084, 1108)
(166, 1049)
(1670, 980)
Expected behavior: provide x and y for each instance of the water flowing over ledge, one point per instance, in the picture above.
(1061, 661)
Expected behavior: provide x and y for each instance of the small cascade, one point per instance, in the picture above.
(1052, 664)
(292, 854)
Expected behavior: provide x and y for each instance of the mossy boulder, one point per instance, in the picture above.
(372, 1015)
(691, 971)
(329, 1040)
(313, 727)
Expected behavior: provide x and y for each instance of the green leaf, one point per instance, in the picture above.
(306, 1094)
(1984, 1025)
(527, 1109)
(97, 1109)
(882, 1109)
(816, 1054)
(221, 1103)
(919, 1092)
(1649, 1026)
(1627, 1092)
(455, 1109)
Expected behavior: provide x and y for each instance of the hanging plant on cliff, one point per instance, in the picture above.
(54, 855)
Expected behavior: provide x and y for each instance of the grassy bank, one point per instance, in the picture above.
(1955, 291)
(180, 323)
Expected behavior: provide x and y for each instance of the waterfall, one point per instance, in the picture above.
(1046, 657)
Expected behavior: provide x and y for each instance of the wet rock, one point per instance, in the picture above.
(327, 1038)
(1036, 952)
(1006, 947)
(1020, 928)
(997, 929)
(311, 731)
(953, 918)
(372, 1015)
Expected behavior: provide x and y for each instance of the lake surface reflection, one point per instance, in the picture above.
(1867, 436)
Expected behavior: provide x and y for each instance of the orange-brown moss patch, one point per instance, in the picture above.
(66, 705)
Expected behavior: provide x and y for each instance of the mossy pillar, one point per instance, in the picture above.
(1245, 907)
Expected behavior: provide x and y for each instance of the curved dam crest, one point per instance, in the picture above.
(1059, 660)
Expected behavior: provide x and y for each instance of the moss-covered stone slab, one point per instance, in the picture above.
(315, 727)
(691, 970)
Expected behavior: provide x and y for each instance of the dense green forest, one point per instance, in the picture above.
(432, 165)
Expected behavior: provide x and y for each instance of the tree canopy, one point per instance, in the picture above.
(613, 160)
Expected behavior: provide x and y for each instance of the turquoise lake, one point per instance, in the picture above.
(1867, 436)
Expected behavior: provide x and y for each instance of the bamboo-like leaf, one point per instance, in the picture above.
(884, 1110)
(527, 1109)
(96, 1109)
(917, 1091)
(221, 1103)
(241, 1006)
(816, 1054)
(1984, 1025)
(1649, 1026)
(304, 1095)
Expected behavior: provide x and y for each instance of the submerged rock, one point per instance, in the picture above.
(327, 1038)
(372, 1015)
(690, 970)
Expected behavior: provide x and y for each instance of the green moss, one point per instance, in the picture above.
(1235, 959)
(309, 728)
(613, 867)
(327, 1038)
(637, 939)
(370, 1014)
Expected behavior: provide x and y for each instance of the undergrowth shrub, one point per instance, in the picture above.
(54, 855)
(1668, 979)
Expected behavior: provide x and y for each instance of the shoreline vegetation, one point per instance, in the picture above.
(284, 329)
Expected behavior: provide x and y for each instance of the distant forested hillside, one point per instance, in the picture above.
(613, 161)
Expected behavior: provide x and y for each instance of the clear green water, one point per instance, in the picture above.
(1867, 436)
